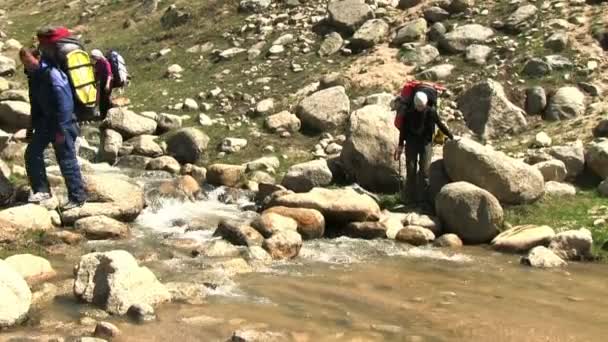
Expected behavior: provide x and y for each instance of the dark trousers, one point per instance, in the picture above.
(66, 157)
(105, 100)
(417, 160)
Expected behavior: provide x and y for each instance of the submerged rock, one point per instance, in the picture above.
(415, 235)
(542, 257)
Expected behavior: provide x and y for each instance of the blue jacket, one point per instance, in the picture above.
(51, 99)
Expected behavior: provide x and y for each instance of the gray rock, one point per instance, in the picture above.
(16, 296)
(573, 157)
(174, 17)
(557, 42)
(438, 178)
(489, 113)
(536, 100)
(250, 335)
(416, 236)
(457, 40)
(367, 154)
(149, 6)
(145, 145)
(264, 107)
(523, 238)
(566, 103)
(437, 32)
(470, 212)
(542, 257)
(285, 244)
(141, 313)
(114, 281)
(283, 121)
(448, 240)
(596, 157)
(558, 62)
(459, 6)
(348, 15)
(437, 73)
(164, 163)
(231, 53)
(435, 14)
(239, 234)
(601, 129)
(8, 66)
(602, 189)
(510, 180)
(325, 110)
(168, 122)
(552, 170)
(233, 145)
(522, 19)
(305, 176)
(129, 124)
(266, 164)
(254, 6)
(405, 4)
(14, 115)
(557, 189)
(133, 162)
(421, 55)
(331, 44)
(536, 67)
(106, 330)
(14, 95)
(7, 189)
(187, 145)
(572, 244)
(101, 228)
(478, 54)
(372, 32)
(412, 31)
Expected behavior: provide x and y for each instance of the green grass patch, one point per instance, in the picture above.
(30, 242)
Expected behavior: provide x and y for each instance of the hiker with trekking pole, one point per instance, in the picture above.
(416, 119)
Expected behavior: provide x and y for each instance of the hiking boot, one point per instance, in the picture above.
(73, 205)
(38, 197)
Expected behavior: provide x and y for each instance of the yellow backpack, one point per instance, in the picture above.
(82, 77)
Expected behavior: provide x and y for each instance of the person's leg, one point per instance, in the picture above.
(34, 162)
(68, 164)
(411, 161)
(425, 157)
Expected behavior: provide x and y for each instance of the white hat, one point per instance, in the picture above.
(96, 53)
(420, 99)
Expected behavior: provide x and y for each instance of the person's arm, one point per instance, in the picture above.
(442, 126)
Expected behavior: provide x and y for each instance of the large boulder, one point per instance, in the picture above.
(572, 155)
(285, 244)
(187, 145)
(542, 257)
(101, 228)
(114, 281)
(14, 115)
(225, 174)
(510, 180)
(470, 212)
(373, 32)
(28, 217)
(16, 296)
(489, 113)
(305, 176)
(457, 40)
(8, 66)
(523, 238)
(348, 15)
(111, 196)
(521, 19)
(325, 110)
(283, 121)
(573, 244)
(552, 170)
(311, 223)
(32, 268)
(128, 123)
(111, 142)
(566, 103)
(597, 157)
(367, 154)
(410, 32)
(336, 205)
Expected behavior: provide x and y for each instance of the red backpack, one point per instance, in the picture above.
(406, 97)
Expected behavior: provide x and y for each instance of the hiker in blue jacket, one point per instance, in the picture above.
(53, 121)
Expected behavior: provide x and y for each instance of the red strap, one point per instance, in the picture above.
(54, 36)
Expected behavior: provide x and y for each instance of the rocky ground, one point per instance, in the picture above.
(288, 103)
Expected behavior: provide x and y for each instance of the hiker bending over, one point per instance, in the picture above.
(416, 134)
(53, 121)
(103, 75)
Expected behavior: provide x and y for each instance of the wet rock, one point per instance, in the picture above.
(27, 217)
(510, 180)
(101, 228)
(106, 330)
(187, 145)
(145, 145)
(448, 240)
(470, 212)
(239, 234)
(566, 103)
(270, 223)
(311, 223)
(217, 249)
(14, 115)
(284, 244)
(552, 170)
(436, 73)
(8, 66)
(189, 293)
(283, 121)
(325, 110)
(164, 163)
(16, 296)
(572, 244)
(367, 154)
(572, 155)
(250, 335)
(348, 15)
(596, 158)
(410, 32)
(523, 238)
(415, 235)
(226, 174)
(306, 176)
(557, 189)
(457, 40)
(141, 313)
(331, 44)
(33, 269)
(522, 19)
(336, 205)
(111, 142)
(557, 42)
(434, 14)
(128, 123)
(478, 54)
(114, 281)
(365, 230)
(254, 6)
(183, 187)
(536, 100)
(542, 257)
(197, 172)
(489, 113)
(174, 17)
(425, 221)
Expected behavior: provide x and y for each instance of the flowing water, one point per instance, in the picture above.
(341, 290)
